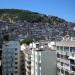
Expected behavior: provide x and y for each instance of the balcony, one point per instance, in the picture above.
(72, 63)
(59, 65)
(58, 51)
(28, 63)
(71, 72)
(72, 68)
(27, 59)
(61, 60)
(28, 69)
(67, 68)
(58, 59)
(58, 73)
(64, 61)
(72, 60)
(28, 73)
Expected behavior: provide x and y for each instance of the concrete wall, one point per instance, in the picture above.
(48, 66)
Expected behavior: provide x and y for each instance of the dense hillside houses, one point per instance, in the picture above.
(35, 31)
(27, 24)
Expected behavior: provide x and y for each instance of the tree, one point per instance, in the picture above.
(26, 41)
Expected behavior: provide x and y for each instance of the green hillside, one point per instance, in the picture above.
(25, 15)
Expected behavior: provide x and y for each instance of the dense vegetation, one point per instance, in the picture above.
(25, 15)
(26, 41)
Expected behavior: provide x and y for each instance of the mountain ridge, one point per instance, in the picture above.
(14, 15)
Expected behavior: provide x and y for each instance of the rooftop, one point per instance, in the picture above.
(68, 43)
(39, 46)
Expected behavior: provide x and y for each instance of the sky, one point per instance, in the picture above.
(62, 8)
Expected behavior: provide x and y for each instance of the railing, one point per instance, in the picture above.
(72, 63)
(28, 64)
(59, 65)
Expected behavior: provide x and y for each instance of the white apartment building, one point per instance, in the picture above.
(22, 63)
(28, 62)
(11, 58)
(27, 53)
(65, 50)
(40, 59)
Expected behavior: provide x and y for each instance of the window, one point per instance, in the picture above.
(11, 73)
(66, 73)
(15, 49)
(62, 56)
(66, 48)
(11, 65)
(62, 71)
(39, 64)
(72, 61)
(16, 67)
(37, 45)
(29, 62)
(16, 72)
(16, 62)
(72, 74)
(61, 48)
(57, 47)
(66, 57)
(58, 55)
(72, 49)
(16, 58)
(6, 45)
(73, 54)
(16, 53)
(72, 68)
(61, 63)
(58, 70)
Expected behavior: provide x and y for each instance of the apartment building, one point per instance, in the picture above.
(11, 58)
(43, 60)
(40, 59)
(0, 61)
(65, 50)
(22, 63)
(27, 53)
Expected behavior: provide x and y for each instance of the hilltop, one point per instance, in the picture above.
(14, 15)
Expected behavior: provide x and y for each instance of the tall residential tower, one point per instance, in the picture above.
(11, 58)
(40, 59)
(65, 57)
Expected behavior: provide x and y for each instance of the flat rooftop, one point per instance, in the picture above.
(68, 43)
